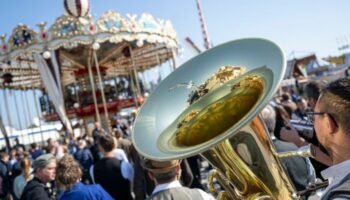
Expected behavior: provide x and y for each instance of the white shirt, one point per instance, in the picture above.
(120, 154)
(176, 184)
(335, 174)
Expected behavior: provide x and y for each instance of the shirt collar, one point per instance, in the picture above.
(165, 186)
(336, 172)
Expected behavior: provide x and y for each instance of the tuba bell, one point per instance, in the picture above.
(210, 108)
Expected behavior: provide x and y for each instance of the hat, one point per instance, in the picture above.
(42, 161)
(159, 166)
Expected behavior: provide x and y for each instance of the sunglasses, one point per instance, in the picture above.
(311, 117)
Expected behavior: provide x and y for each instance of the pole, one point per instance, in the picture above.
(173, 58)
(76, 92)
(102, 91)
(135, 72)
(4, 132)
(7, 111)
(137, 92)
(203, 26)
(93, 91)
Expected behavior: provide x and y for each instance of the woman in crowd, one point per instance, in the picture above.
(21, 180)
(68, 176)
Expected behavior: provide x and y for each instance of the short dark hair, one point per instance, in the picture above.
(312, 90)
(335, 100)
(33, 145)
(106, 141)
(165, 177)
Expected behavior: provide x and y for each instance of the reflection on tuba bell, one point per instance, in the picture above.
(219, 118)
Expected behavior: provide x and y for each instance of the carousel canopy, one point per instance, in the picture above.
(119, 42)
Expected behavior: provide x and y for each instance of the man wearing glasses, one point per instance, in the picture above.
(331, 121)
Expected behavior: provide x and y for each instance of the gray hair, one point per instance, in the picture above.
(268, 114)
(43, 160)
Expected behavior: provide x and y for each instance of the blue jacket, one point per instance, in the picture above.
(86, 192)
(84, 157)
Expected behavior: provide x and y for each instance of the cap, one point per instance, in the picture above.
(159, 166)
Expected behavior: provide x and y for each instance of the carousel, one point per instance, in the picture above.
(86, 68)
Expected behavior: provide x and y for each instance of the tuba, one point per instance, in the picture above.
(219, 118)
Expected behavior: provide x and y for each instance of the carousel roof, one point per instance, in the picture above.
(120, 43)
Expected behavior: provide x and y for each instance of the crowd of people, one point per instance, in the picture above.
(102, 165)
(99, 165)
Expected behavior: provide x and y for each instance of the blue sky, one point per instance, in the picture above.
(297, 26)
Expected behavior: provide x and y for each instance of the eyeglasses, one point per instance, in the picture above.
(311, 116)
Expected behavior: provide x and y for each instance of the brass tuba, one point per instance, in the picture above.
(219, 120)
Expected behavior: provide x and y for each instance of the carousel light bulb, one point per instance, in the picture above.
(46, 54)
(76, 105)
(96, 46)
(139, 43)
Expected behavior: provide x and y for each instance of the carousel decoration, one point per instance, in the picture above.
(85, 66)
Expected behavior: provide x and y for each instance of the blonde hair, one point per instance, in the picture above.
(68, 171)
(26, 168)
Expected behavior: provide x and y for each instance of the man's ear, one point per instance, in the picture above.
(178, 168)
(331, 124)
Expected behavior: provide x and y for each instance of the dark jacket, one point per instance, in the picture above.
(4, 179)
(296, 166)
(36, 153)
(36, 190)
(86, 192)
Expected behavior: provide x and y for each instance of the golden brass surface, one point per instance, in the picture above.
(198, 127)
(246, 164)
(249, 163)
(219, 119)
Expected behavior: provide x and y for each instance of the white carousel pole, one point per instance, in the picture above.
(133, 89)
(101, 87)
(173, 56)
(7, 111)
(4, 132)
(76, 92)
(93, 91)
